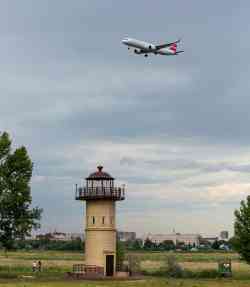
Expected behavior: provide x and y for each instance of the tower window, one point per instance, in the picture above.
(111, 219)
(93, 219)
(103, 220)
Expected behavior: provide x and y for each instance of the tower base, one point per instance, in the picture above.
(91, 272)
(82, 271)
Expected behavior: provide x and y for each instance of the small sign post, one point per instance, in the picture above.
(225, 268)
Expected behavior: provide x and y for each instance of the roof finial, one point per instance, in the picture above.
(100, 168)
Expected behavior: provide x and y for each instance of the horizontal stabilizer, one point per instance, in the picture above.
(158, 47)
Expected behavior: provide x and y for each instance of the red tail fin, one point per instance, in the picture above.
(173, 47)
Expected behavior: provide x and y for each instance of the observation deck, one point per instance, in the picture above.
(94, 193)
(100, 185)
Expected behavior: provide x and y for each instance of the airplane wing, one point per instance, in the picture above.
(158, 47)
(141, 51)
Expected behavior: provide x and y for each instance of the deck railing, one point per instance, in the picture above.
(88, 193)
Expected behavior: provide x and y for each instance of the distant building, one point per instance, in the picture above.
(187, 239)
(224, 235)
(126, 236)
(74, 236)
(210, 240)
(59, 236)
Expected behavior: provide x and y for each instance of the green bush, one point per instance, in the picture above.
(134, 265)
(173, 269)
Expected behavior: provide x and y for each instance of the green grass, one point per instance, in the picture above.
(57, 263)
(144, 283)
(143, 255)
(188, 256)
(43, 255)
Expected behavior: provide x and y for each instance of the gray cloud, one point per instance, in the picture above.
(75, 97)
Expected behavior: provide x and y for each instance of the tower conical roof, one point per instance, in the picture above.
(99, 174)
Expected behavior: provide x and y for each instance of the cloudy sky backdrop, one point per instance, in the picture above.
(175, 130)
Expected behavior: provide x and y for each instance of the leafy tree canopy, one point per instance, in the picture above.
(167, 245)
(148, 244)
(241, 240)
(17, 218)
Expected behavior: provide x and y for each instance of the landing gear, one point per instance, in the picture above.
(128, 48)
(145, 55)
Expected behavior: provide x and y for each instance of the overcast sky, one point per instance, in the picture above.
(175, 130)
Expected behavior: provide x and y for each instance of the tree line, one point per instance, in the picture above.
(43, 244)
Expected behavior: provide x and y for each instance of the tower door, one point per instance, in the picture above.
(109, 265)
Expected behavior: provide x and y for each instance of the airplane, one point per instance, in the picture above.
(141, 47)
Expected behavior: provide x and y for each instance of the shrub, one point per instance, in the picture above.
(134, 264)
(173, 268)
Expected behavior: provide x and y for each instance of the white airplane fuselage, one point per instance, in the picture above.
(142, 47)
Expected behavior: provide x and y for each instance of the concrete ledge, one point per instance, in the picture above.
(122, 274)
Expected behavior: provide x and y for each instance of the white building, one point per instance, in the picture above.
(126, 236)
(187, 239)
(211, 240)
(224, 235)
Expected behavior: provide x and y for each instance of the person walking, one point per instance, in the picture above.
(39, 266)
(34, 266)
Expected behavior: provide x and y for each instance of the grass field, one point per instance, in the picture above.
(15, 270)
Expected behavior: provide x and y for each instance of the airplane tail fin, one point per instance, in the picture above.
(173, 47)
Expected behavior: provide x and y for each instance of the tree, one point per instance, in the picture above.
(167, 245)
(134, 266)
(137, 244)
(232, 242)
(242, 230)
(120, 255)
(216, 244)
(16, 217)
(148, 244)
